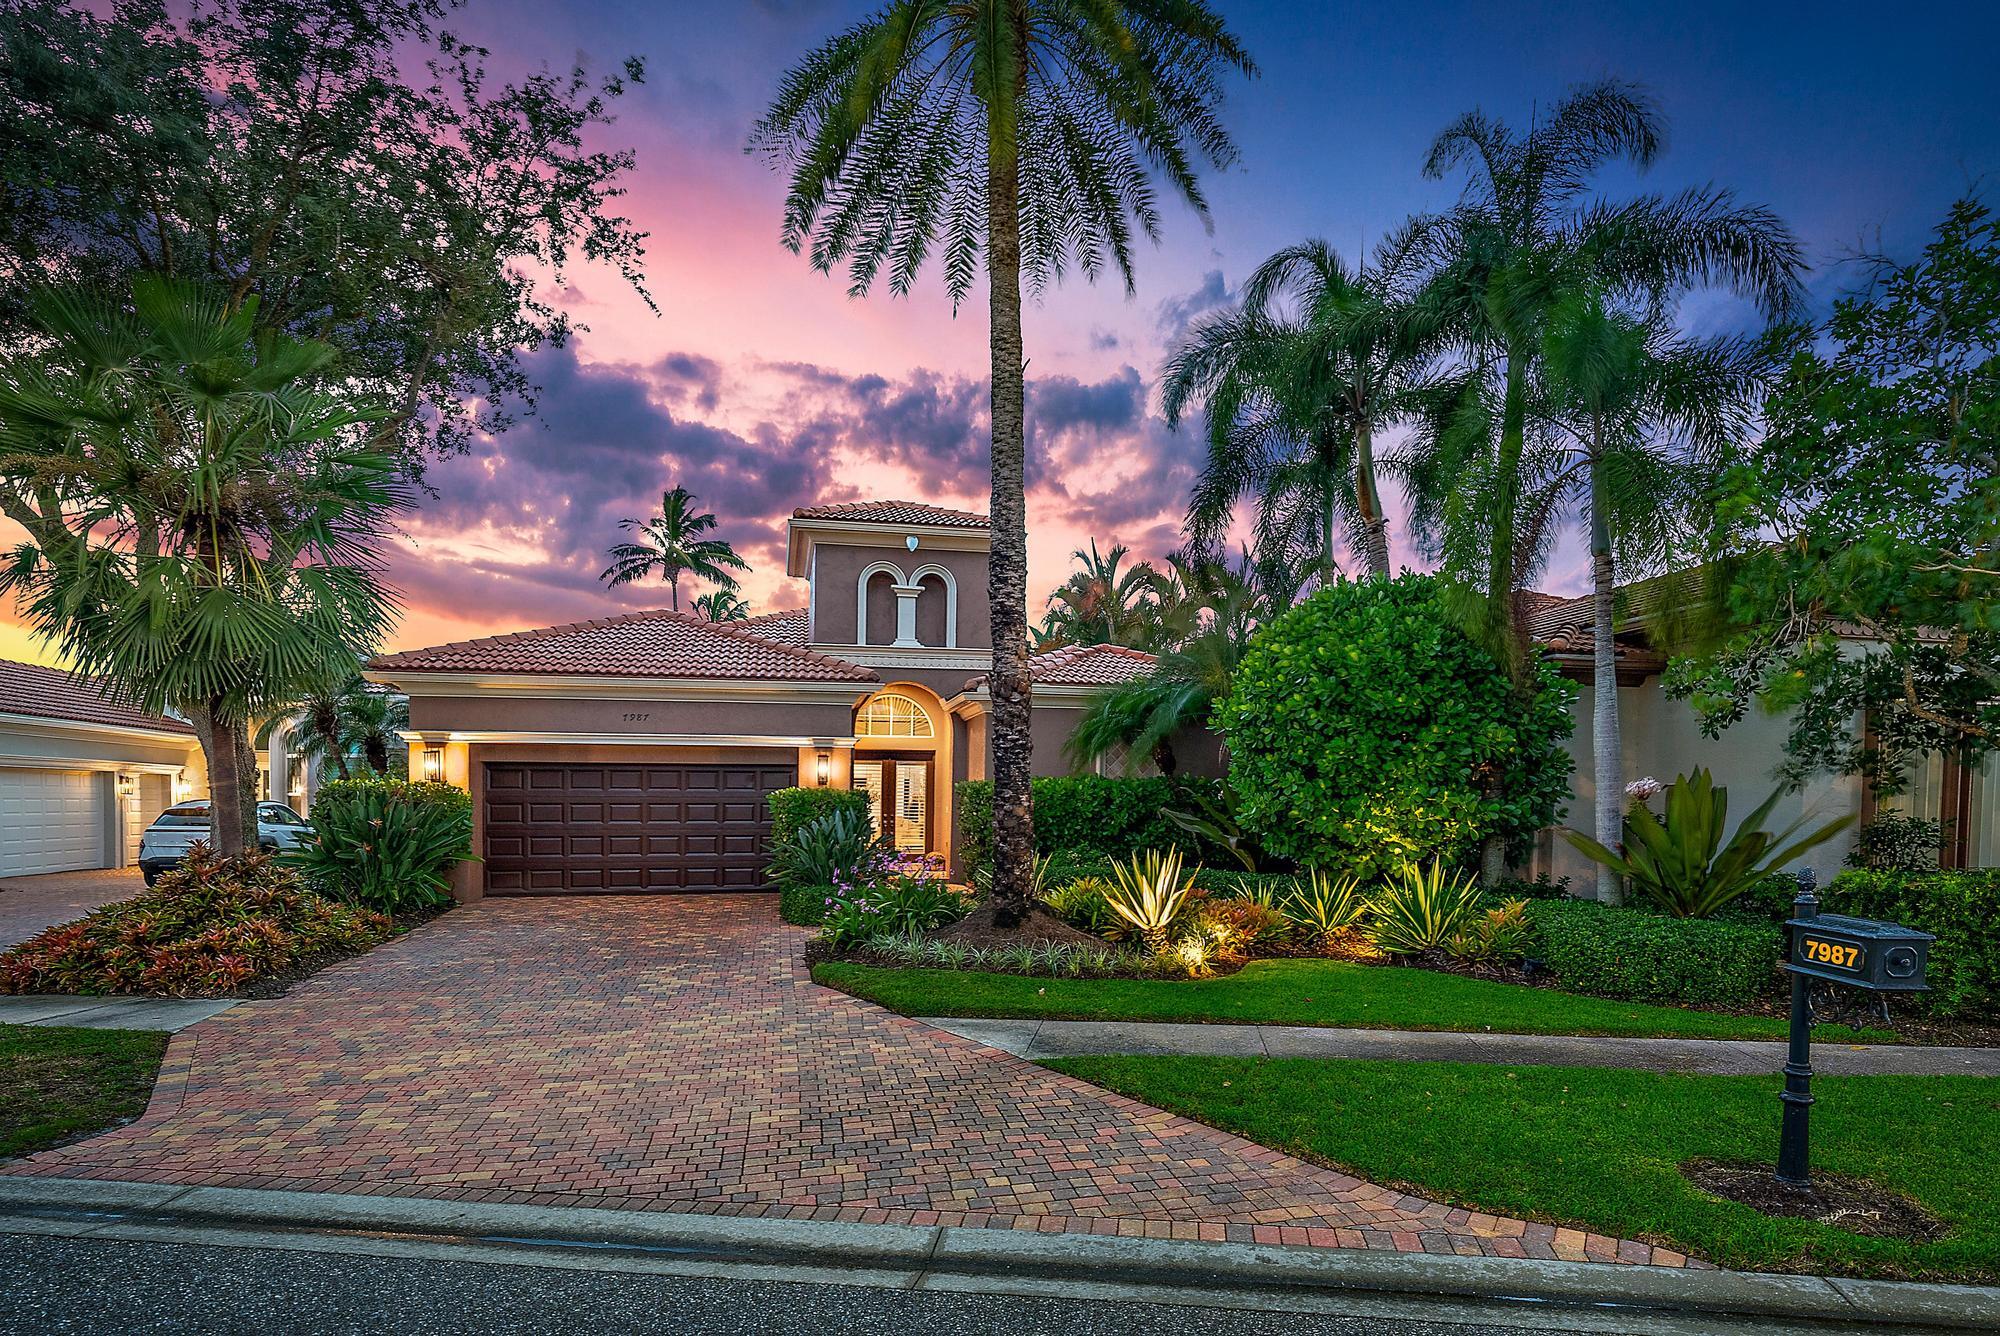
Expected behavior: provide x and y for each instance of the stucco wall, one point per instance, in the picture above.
(837, 571)
(616, 717)
(28, 744)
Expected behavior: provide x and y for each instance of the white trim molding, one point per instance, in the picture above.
(415, 683)
(801, 533)
(22, 761)
(42, 721)
(432, 737)
(908, 589)
(890, 657)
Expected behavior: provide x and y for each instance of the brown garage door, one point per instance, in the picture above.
(565, 829)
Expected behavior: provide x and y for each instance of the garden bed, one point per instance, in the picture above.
(1603, 1150)
(59, 1084)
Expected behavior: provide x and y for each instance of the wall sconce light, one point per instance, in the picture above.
(434, 765)
(180, 788)
(823, 768)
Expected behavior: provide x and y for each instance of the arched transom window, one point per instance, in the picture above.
(892, 716)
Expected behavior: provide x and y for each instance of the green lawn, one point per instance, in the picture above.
(1299, 992)
(1599, 1149)
(59, 1083)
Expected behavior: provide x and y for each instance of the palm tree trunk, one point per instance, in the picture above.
(1604, 732)
(223, 744)
(1374, 524)
(1501, 627)
(1007, 572)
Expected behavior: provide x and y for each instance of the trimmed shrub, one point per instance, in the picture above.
(1093, 820)
(1639, 956)
(389, 844)
(792, 808)
(206, 928)
(1367, 731)
(804, 905)
(1960, 908)
(973, 809)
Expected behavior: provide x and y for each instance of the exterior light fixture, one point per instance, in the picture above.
(434, 765)
(823, 768)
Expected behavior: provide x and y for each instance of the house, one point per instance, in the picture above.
(82, 776)
(635, 753)
(1662, 738)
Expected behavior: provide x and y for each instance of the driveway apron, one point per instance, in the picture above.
(671, 1054)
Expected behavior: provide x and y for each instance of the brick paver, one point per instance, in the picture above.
(671, 1054)
(30, 904)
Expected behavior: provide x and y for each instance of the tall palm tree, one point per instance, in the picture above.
(203, 502)
(1028, 131)
(1646, 416)
(671, 543)
(1295, 384)
(1102, 604)
(722, 605)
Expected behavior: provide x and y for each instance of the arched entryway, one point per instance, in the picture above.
(902, 760)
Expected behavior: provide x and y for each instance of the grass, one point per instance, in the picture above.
(59, 1083)
(1600, 1149)
(1300, 992)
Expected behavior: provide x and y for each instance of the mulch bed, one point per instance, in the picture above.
(1853, 1204)
(1038, 927)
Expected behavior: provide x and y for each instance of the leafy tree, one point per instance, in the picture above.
(1029, 132)
(340, 719)
(722, 605)
(1368, 730)
(1293, 398)
(203, 503)
(1857, 548)
(671, 543)
(1105, 602)
(277, 148)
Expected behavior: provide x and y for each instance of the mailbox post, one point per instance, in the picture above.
(1846, 952)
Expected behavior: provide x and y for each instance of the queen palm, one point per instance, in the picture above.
(1027, 132)
(1105, 602)
(672, 544)
(203, 503)
(1322, 355)
(342, 718)
(722, 605)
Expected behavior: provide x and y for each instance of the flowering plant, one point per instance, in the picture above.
(1642, 791)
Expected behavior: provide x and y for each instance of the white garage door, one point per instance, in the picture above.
(50, 821)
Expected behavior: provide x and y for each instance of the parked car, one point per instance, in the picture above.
(167, 839)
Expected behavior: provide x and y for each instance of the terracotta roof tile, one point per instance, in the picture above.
(640, 644)
(1083, 666)
(782, 628)
(55, 693)
(893, 512)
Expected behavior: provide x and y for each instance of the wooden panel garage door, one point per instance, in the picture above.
(568, 829)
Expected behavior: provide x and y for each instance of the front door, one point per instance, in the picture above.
(899, 799)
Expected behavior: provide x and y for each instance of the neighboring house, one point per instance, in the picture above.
(635, 753)
(80, 776)
(1662, 738)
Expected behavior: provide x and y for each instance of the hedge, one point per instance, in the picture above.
(1639, 956)
(1961, 908)
(804, 905)
(1091, 817)
(792, 808)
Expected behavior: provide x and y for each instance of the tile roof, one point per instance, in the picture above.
(782, 628)
(640, 644)
(1083, 666)
(55, 693)
(893, 512)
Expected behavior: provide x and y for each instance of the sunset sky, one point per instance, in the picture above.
(762, 386)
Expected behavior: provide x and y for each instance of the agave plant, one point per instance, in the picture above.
(1325, 906)
(1682, 863)
(1148, 894)
(1422, 908)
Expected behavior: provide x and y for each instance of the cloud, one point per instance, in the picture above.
(1178, 312)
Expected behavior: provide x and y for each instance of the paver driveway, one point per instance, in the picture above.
(671, 1054)
(29, 904)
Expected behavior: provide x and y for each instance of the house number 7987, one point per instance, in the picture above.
(632, 718)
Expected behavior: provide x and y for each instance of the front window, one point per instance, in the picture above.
(892, 716)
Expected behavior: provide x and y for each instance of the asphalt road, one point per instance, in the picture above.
(87, 1285)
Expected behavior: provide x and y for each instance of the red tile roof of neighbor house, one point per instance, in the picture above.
(785, 628)
(639, 644)
(54, 693)
(893, 512)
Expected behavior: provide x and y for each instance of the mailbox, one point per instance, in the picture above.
(1861, 953)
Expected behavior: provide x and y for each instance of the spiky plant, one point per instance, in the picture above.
(1148, 894)
(1028, 133)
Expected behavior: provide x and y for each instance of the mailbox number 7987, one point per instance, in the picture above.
(1837, 954)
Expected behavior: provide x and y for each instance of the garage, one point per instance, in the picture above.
(567, 829)
(51, 821)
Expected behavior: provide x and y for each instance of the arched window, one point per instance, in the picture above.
(892, 716)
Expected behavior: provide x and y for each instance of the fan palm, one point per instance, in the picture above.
(1029, 132)
(671, 543)
(203, 503)
(1105, 602)
(1295, 385)
(722, 605)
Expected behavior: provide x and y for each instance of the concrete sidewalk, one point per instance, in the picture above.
(1273, 1278)
(112, 1013)
(1035, 1039)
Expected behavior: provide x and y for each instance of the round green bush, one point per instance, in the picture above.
(1367, 730)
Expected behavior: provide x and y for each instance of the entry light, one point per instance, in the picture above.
(434, 765)
(823, 768)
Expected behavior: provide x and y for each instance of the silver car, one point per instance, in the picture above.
(167, 839)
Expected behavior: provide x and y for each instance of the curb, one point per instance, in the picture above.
(90, 1208)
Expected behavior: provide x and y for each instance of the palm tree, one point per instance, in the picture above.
(1023, 130)
(342, 719)
(203, 503)
(1100, 604)
(1647, 416)
(1294, 398)
(671, 543)
(722, 605)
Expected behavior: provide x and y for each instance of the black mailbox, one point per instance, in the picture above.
(1861, 953)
